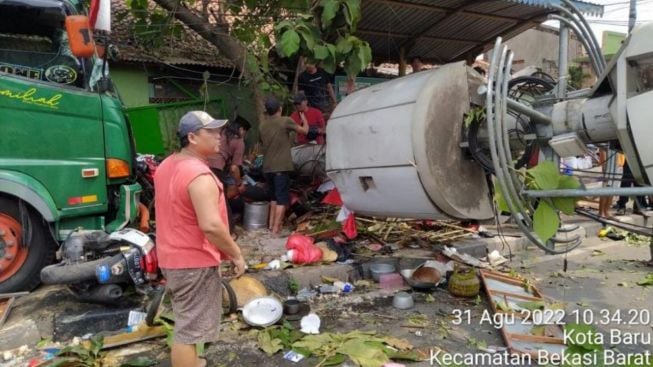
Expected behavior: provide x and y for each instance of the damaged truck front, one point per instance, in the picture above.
(66, 151)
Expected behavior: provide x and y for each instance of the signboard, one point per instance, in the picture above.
(360, 83)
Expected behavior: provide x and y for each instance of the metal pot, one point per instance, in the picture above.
(256, 215)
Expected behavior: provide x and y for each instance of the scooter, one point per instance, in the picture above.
(97, 267)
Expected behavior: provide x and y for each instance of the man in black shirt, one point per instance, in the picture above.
(316, 85)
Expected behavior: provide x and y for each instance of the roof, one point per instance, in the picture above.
(188, 49)
(441, 31)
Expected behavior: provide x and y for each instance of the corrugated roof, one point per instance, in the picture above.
(189, 49)
(443, 31)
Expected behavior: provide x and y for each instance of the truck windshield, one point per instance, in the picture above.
(34, 43)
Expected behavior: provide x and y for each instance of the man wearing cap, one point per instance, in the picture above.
(311, 116)
(192, 236)
(277, 137)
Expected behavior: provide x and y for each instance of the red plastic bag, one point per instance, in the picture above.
(305, 252)
(332, 198)
(349, 226)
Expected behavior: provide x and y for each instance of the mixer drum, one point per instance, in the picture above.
(394, 148)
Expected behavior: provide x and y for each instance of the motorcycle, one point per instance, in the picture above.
(98, 267)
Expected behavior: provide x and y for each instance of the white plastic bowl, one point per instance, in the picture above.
(263, 311)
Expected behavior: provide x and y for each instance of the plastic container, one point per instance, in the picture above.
(381, 268)
(391, 281)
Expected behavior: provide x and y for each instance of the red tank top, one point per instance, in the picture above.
(180, 243)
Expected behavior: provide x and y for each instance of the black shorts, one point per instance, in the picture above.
(278, 187)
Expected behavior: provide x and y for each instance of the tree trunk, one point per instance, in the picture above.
(228, 46)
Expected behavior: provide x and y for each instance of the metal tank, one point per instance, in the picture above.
(394, 148)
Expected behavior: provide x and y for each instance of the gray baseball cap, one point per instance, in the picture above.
(195, 120)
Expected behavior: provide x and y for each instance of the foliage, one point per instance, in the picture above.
(589, 347)
(648, 280)
(320, 31)
(476, 114)
(545, 176)
(576, 76)
(89, 355)
(366, 349)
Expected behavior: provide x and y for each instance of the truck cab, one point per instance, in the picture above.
(66, 150)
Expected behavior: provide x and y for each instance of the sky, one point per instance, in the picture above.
(615, 16)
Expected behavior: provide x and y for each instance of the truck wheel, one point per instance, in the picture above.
(20, 265)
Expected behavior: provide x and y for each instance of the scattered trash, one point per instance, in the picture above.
(391, 281)
(343, 287)
(6, 302)
(464, 283)
(302, 250)
(376, 269)
(361, 348)
(306, 294)
(310, 324)
(495, 259)
(135, 318)
(293, 356)
(452, 253)
(264, 311)
(403, 301)
(246, 288)
(273, 265)
(511, 296)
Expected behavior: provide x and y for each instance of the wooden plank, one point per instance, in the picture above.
(5, 307)
(514, 295)
(537, 338)
(142, 334)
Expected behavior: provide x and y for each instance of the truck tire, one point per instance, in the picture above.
(20, 265)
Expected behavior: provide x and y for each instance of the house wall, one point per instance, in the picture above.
(539, 47)
(132, 84)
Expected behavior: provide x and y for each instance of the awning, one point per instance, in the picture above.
(449, 30)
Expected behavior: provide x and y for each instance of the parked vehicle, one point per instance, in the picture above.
(66, 150)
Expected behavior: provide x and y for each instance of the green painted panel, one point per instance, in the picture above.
(145, 127)
(132, 85)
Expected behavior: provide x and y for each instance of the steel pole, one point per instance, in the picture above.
(603, 191)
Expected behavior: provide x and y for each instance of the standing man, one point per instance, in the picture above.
(316, 85)
(277, 137)
(416, 64)
(192, 236)
(311, 116)
(226, 164)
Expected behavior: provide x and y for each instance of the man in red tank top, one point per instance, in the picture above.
(192, 236)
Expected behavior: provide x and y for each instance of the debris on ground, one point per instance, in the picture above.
(533, 330)
(365, 349)
(6, 302)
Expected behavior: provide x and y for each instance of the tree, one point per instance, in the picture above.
(244, 32)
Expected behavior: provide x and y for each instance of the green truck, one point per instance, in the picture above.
(66, 150)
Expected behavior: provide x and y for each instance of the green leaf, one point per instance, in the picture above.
(546, 175)
(545, 221)
(565, 205)
(267, 344)
(321, 52)
(502, 206)
(646, 281)
(140, 362)
(588, 330)
(353, 13)
(289, 43)
(344, 46)
(365, 54)
(329, 11)
(364, 354)
(335, 360)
